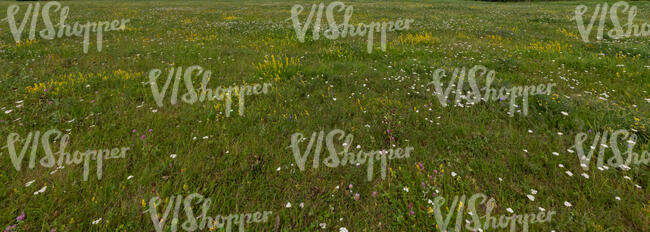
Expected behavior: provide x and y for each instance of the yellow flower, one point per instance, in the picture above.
(144, 204)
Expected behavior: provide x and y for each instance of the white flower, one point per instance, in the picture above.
(627, 177)
(569, 150)
(129, 177)
(278, 169)
(334, 99)
(556, 154)
(567, 204)
(40, 190)
(173, 156)
(525, 150)
(617, 198)
(29, 183)
(406, 189)
(541, 209)
(343, 229)
(288, 205)
(564, 113)
(561, 165)
(585, 175)
(453, 174)
(95, 222)
(510, 210)
(500, 179)
(302, 205)
(530, 131)
(531, 197)
(533, 191)
(569, 173)
(559, 133)
(323, 225)
(8, 111)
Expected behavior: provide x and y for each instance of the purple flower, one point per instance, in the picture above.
(143, 137)
(421, 166)
(424, 185)
(149, 130)
(357, 196)
(9, 228)
(21, 216)
(133, 131)
(412, 213)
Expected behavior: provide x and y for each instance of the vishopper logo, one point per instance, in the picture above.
(220, 93)
(49, 160)
(491, 221)
(191, 223)
(50, 31)
(618, 32)
(600, 142)
(333, 161)
(336, 31)
(474, 95)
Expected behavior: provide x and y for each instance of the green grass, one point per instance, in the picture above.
(236, 166)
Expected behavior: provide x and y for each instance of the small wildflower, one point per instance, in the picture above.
(21, 216)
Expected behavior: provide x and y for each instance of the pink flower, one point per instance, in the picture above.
(435, 171)
(149, 130)
(412, 213)
(350, 186)
(92, 101)
(410, 205)
(374, 194)
(357, 196)
(21, 216)
(143, 137)
(133, 131)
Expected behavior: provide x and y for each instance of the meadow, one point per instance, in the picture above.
(244, 163)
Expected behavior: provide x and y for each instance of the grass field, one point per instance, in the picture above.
(243, 163)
